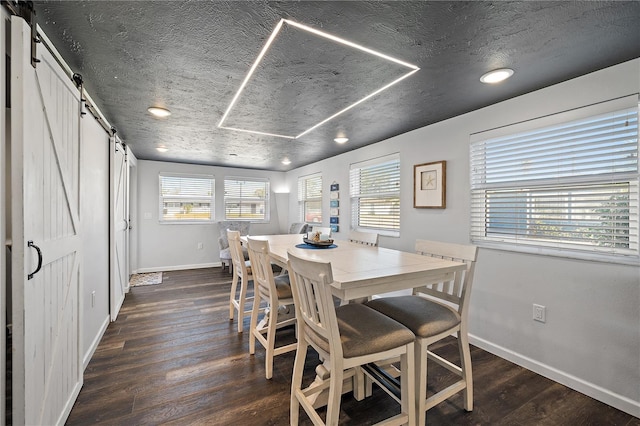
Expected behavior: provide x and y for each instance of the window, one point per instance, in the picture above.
(246, 199)
(571, 185)
(186, 198)
(375, 195)
(310, 198)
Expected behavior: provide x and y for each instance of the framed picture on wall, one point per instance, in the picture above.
(429, 185)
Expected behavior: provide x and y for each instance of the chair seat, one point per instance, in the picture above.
(423, 317)
(364, 331)
(283, 287)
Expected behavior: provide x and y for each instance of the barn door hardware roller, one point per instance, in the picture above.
(26, 11)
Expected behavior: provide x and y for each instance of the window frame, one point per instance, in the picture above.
(161, 199)
(565, 237)
(357, 194)
(266, 199)
(304, 198)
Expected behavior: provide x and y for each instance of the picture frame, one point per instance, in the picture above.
(335, 187)
(334, 211)
(335, 228)
(334, 203)
(334, 195)
(429, 185)
(333, 220)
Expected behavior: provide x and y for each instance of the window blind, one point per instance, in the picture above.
(186, 198)
(572, 185)
(375, 194)
(246, 199)
(310, 198)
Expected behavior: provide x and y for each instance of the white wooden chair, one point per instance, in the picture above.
(433, 313)
(364, 238)
(241, 270)
(346, 338)
(276, 292)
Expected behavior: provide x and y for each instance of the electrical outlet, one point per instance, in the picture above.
(200, 246)
(539, 313)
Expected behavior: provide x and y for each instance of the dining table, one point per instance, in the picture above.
(361, 272)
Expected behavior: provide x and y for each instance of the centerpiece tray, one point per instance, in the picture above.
(325, 243)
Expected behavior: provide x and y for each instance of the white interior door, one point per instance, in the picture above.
(45, 152)
(119, 227)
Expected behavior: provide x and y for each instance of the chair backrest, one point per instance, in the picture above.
(263, 280)
(298, 228)
(315, 310)
(364, 238)
(234, 225)
(237, 256)
(458, 290)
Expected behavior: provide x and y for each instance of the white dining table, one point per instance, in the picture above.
(361, 271)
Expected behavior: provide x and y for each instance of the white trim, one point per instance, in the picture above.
(559, 252)
(599, 393)
(94, 344)
(179, 267)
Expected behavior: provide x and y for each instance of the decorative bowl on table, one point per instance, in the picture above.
(323, 243)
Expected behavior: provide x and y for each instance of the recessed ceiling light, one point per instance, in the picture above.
(496, 76)
(162, 149)
(341, 139)
(286, 161)
(412, 69)
(159, 111)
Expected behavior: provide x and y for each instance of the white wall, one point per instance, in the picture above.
(94, 218)
(163, 247)
(591, 340)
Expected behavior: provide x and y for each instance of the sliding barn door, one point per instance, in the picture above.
(119, 226)
(45, 153)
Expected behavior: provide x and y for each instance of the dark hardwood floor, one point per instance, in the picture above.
(173, 357)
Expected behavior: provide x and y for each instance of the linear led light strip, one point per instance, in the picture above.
(321, 34)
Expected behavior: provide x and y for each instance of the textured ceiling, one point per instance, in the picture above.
(192, 56)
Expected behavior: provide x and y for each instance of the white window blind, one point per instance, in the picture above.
(570, 186)
(246, 199)
(186, 198)
(375, 194)
(310, 198)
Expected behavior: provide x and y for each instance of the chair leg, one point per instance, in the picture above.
(408, 384)
(241, 304)
(465, 360)
(296, 381)
(232, 297)
(421, 380)
(271, 341)
(253, 324)
(335, 395)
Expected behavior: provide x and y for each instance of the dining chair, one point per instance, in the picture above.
(242, 276)
(298, 228)
(364, 238)
(346, 338)
(223, 243)
(432, 313)
(276, 293)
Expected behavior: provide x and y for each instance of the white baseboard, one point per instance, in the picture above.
(94, 344)
(590, 389)
(179, 267)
